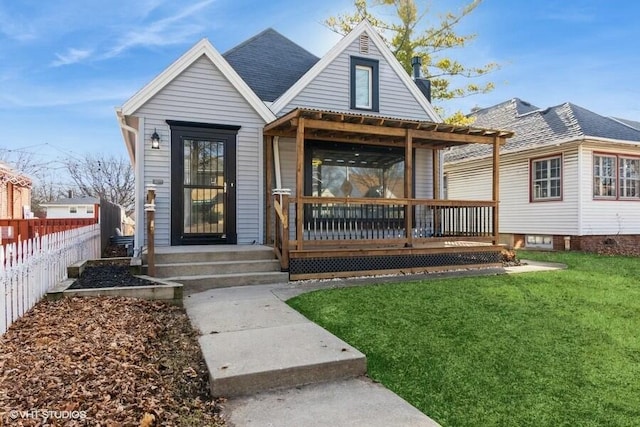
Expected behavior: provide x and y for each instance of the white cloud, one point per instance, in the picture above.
(16, 30)
(71, 57)
(162, 32)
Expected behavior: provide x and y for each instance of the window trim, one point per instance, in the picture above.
(532, 198)
(374, 93)
(617, 157)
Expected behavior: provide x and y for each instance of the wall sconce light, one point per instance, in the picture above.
(155, 140)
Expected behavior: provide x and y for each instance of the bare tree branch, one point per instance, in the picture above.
(103, 176)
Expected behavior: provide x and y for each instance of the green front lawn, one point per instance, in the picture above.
(539, 349)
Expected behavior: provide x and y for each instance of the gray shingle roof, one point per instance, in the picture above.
(533, 126)
(632, 123)
(270, 63)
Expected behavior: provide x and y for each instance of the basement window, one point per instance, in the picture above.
(539, 242)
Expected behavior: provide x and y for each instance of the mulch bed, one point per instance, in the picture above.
(107, 361)
(108, 276)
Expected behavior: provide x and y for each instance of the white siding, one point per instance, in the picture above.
(64, 211)
(600, 217)
(423, 170)
(202, 94)
(330, 89)
(473, 181)
(469, 180)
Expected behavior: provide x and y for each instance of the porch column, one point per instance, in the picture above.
(268, 142)
(408, 187)
(299, 181)
(496, 188)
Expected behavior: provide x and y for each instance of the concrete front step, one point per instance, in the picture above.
(186, 254)
(213, 281)
(249, 361)
(217, 267)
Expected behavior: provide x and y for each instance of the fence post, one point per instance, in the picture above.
(150, 209)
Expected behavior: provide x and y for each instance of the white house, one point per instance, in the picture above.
(74, 207)
(569, 176)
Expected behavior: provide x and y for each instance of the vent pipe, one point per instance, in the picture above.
(416, 64)
(423, 84)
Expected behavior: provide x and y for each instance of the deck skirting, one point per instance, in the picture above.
(329, 264)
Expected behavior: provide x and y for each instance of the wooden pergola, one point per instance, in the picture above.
(351, 128)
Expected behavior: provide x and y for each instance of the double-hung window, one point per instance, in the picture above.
(629, 178)
(616, 177)
(604, 176)
(546, 179)
(364, 84)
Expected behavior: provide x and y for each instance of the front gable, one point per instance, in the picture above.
(328, 85)
(200, 49)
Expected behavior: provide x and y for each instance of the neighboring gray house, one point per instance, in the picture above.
(569, 176)
(351, 136)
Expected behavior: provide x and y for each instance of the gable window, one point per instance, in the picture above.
(364, 84)
(616, 177)
(546, 179)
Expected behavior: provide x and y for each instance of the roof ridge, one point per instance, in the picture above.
(261, 33)
(623, 122)
(249, 40)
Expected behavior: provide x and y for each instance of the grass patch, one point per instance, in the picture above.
(539, 349)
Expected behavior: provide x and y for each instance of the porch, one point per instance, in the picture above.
(319, 230)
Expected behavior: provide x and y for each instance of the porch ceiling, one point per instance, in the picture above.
(367, 129)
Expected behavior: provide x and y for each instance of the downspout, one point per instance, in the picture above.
(580, 185)
(139, 237)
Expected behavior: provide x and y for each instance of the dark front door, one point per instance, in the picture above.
(203, 190)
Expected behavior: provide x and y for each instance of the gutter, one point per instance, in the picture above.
(127, 130)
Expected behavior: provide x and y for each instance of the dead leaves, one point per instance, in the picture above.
(122, 362)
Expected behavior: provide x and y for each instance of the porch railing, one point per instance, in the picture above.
(345, 222)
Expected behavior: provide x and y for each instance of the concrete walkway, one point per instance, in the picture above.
(279, 369)
(253, 342)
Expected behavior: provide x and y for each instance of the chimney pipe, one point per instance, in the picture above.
(416, 64)
(70, 194)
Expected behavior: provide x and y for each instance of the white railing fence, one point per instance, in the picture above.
(30, 268)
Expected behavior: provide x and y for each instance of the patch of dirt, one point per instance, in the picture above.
(108, 276)
(113, 251)
(106, 361)
(509, 258)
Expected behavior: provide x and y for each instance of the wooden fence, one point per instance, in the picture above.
(30, 268)
(16, 230)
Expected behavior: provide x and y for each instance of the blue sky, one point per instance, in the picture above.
(66, 64)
